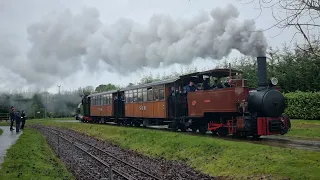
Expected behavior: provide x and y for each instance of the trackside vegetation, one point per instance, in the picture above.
(210, 155)
(305, 129)
(32, 158)
(1, 131)
(303, 105)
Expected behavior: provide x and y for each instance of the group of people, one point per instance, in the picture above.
(19, 118)
(206, 85)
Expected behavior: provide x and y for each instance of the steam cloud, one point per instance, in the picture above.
(63, 43)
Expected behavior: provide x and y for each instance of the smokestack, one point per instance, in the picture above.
(262, 71)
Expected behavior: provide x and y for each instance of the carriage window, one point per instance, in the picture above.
(161, 94)
(109, 99)
(150, 95)
(135, 95)
(131, 97)
(100, 100)
(139, 97)
(155, 94)
(106, 100)
(126, 97)
(94, 100)
(144, 95)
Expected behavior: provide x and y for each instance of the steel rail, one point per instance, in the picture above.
(109, 154)
(122, 174)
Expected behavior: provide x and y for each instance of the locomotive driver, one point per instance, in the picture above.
(190, 87)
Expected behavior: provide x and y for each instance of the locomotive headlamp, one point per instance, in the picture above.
(274, 81)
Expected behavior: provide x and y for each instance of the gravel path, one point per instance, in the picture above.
(84, 166)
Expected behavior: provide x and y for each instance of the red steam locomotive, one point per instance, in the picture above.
(229, 108)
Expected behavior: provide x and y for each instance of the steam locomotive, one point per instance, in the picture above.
(233, 108)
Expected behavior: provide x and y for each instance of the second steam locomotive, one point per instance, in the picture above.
(223, 108)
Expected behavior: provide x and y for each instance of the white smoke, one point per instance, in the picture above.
(62, 43)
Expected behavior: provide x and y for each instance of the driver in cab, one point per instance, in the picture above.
(190, 87)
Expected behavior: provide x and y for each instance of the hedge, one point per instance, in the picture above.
(303, 105)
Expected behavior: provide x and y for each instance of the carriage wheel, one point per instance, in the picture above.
(203, 129)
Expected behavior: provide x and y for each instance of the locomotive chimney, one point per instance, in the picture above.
(262, 71)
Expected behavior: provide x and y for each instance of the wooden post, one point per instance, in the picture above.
(58, 145)
(72, 156)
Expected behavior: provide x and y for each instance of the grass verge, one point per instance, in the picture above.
(1, 131)
(210, 155)
(32, 158)
(4, 123)
(307, 129)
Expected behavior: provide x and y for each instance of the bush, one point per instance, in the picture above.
(303, 105)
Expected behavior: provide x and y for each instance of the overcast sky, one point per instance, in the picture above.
(78, 45)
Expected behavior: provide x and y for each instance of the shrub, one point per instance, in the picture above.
(303, 105)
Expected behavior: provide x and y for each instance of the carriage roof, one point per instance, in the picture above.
(156, 83)
(195, 76)
(103, 93)
(221, 72)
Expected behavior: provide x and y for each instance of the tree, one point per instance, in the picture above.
(130, 84)
(303, 15)
(86, 91)
(106, 87)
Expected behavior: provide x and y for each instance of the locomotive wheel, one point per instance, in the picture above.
(214, 132)
(223, 131)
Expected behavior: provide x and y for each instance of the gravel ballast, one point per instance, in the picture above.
(85, 167)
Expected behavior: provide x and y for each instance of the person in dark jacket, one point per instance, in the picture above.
(190, 87)
(12, 118)
(206, 84)
(18, 120)
(23, 119)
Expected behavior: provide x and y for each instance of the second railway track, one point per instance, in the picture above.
(121, 167)
(279, 141)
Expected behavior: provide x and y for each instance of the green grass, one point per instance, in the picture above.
(210, 155)
(4, 123)
(31, 121)
(306, 129)
(1, 131)
(32, 158)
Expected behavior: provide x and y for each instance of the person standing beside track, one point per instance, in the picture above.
(23, 119)
(12, 118)
(18, 120)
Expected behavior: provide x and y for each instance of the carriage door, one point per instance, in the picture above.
(170, 101)
(115, 104)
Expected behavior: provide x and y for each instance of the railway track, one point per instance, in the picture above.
(283, 142)
(120, 168)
